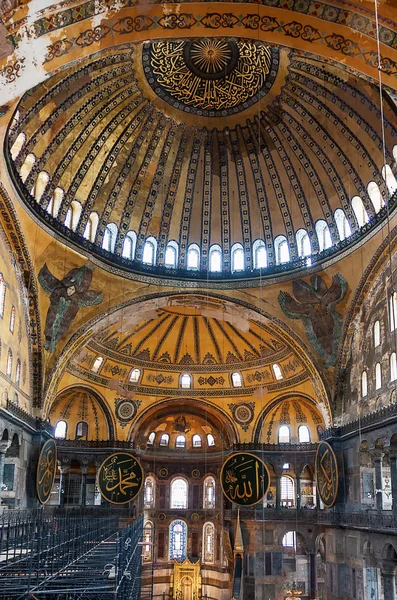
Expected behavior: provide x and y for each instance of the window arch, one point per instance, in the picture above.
(209, 492)
(149, 491)
(179, 493)
(359, 211)
(60, 430)
(323, 235)
(238, 259)
(210, 439)
(171, 255)
(196, 441)
(97, 364)
(393, 311)
(389, 178)
(165, 439)
(375, 195)
(376, 334)
(193, 257)
(9, 362)
(237, 380)
(303, 243)
(129, 245)
(277, 372)
(260, 254)
(215, 259)
(342, 224)
(284, 434)
(135, 375)
(75, 212)
(208, 543)
(151, 438)
(18, 145)
(281, 249)
(287, 491)
(12, 319)
(18, 372)
(186, 381)
(364, 384)
(149, 251)
(109, 237)
(178, 540)
(81, 430)
(303, 434)
(40, 185)
(91, 227)
(147, 550)
(3, 287)
(180, 441)
(289, 540)
(378, 376)
(27, 166)
(393, 367)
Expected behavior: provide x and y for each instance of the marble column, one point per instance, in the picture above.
(63, 471)
(389, 588)
(378, 481)
(298, 493)
(393, 477)
(278, 492)
(4, 445)
(83, 494)
(313, 575)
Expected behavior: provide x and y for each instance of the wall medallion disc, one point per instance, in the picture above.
(46, 471)
(327, 474)
(125, 410)
(244, 479)
(120, 478)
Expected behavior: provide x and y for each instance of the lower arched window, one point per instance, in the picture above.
(378, 376)
(148, 495)
(210, 439)
(303, 434)
(147, 550)
(284, 435)
(179, 490)
(287, 491)
(180, 441)
(209, 493)
(178, 540)
(60, 430)
(81, 430)
(209, 543)
(289, 540)
(196, 441)
(165, 439)
(364, 384)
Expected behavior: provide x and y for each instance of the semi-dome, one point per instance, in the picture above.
(205, 158)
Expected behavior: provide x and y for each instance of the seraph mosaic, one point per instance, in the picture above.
(67, 296)
(315, 304)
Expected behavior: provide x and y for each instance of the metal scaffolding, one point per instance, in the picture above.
(63, 557)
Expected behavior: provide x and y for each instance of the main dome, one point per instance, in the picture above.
(207, 159)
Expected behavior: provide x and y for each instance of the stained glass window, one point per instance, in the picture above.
(9, 363)
(18, 372)
(180, 441)
(81, 430)
(178, 537)
(179, 493)
(12, 319)
(147, 553)
(149, 493)
(196, 441)
(208, 542)
(151, 438)
(209, 492)
(164, 440)
(210, 439)
(2, 295)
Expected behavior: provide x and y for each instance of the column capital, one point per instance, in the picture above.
(4, 445)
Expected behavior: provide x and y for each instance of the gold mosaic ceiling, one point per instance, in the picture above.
(175, 153)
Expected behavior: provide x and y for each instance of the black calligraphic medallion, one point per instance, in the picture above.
(244, 479)
(46, 470)
(327, 474)
(120, 478)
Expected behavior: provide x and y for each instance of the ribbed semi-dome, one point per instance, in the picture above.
(205, 158)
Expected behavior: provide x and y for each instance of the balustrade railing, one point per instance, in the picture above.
(372, 418)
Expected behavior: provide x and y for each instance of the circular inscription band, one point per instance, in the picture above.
(327, 474)
(120, 478)
(244, 479)
(46, 471)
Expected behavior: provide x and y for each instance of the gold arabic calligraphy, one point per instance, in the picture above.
(327, 476)
(171, 69)
(119, 478)
(46, 471)
(244, 479)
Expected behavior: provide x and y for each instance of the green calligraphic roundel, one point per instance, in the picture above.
(120, 478)
(46, 471)
(244, 479)
(327, 474)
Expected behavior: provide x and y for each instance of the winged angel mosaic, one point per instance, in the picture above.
(67, 296)
(315, 304)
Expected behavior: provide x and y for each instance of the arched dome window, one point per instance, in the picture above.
(55, 203)
(40, 185)
(180, 441)
(193, 257)
(81, 430)
(303, 434)
(109, 237)
(186, 381)
(215, 259)
(393, 311)
(149, 251)
(27, 166)
(284, 434)
(359, 211)
(209, 493)
(97, 364)
(3, 288)
(303, 243)
(12, 319)
(237, 254)
(147, 549)
(91, 227)
(376, 334)
(260, 254)
(129, 245)
(378, 376)
(364, 384)
(135, 375)
(165, 439)
(393, 367)
(281, 250)
(323, 235)
(289, 540)
(210, 439)
(179, 493)
(9, 362)
(390, 179)
(237, 380)
(375, 195)
(151, 438)
(287, 491)
(209, 543)
(18, 372)
(60, 430)
(178, 540)
(277, 372)
(171, 255)
(18, 145)
(149, 491)
(196, 441)
(342, 224)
